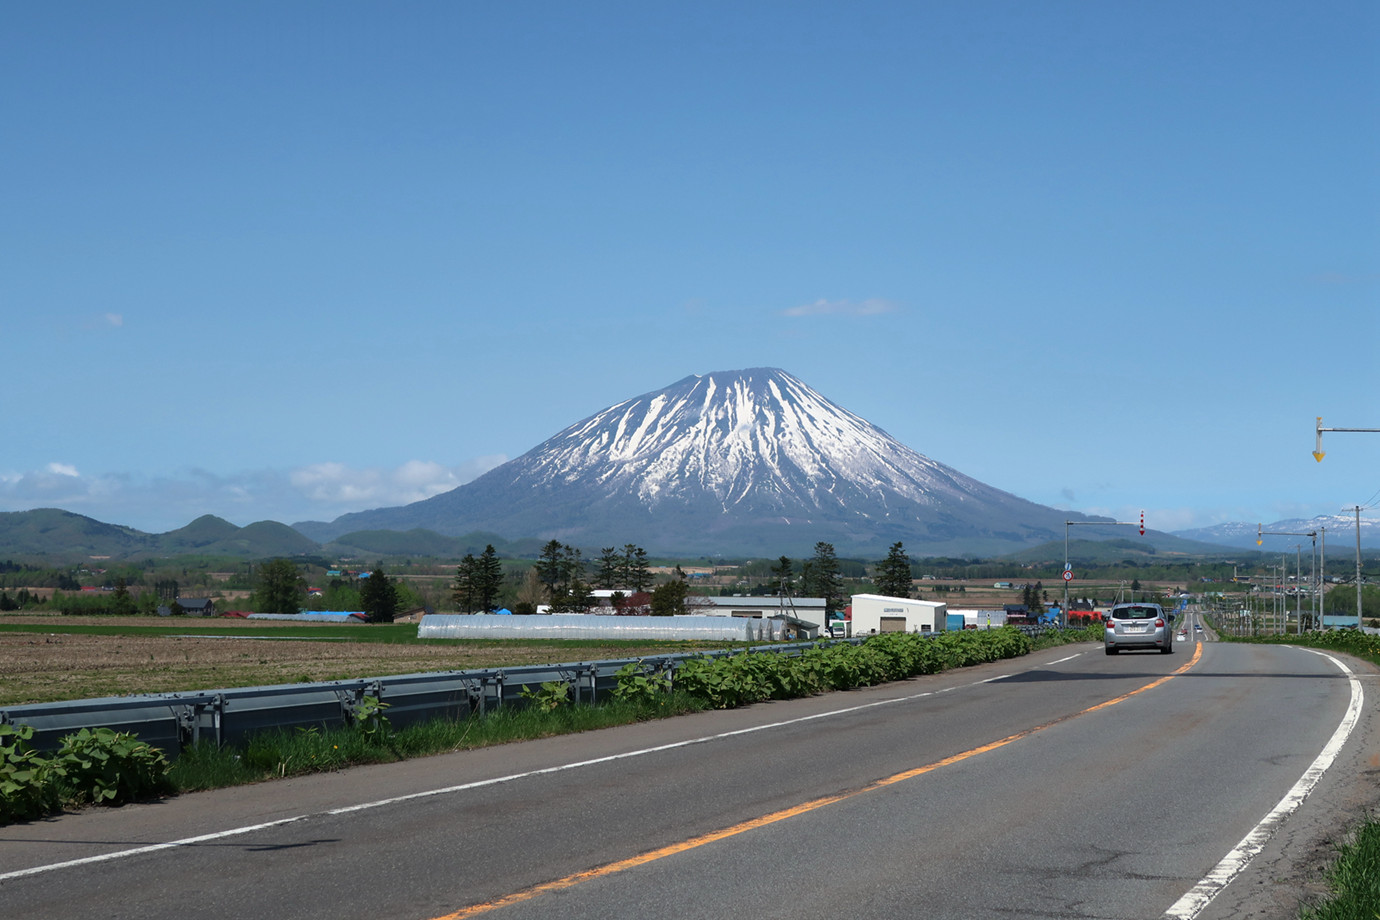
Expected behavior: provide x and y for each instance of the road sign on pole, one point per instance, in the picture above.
(1068, 576)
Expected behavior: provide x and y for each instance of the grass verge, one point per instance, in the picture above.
(278, 754)
(1355, 879)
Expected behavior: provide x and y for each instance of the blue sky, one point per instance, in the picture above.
(287, 260)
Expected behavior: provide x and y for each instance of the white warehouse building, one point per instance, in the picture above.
(875, 613)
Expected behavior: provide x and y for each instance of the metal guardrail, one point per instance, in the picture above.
(173, 721)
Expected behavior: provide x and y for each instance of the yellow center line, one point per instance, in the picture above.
(570, 881)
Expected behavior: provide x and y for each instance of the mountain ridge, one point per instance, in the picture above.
(1287, 533)
(731, 462)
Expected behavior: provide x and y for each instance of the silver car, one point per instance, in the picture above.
(1138, 626)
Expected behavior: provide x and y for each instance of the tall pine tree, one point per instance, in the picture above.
(893, 575)
(782, 578)
(638, 575)
(465, 592)
(379, 597)
(826, 580)
(611, 570)
(488, 577)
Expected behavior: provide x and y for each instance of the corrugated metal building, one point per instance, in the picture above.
(876, 613)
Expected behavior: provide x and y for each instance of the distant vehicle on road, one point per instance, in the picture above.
(1138, 626)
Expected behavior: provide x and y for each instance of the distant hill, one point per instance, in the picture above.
(1338, 529)
(207, 530)
(427, 544)
(53, 532)
(49, 533)
(1154, 546)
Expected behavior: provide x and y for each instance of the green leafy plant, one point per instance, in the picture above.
(106, 767)
(370, 721)
(636, 684)
(27, 787)
(552, 695)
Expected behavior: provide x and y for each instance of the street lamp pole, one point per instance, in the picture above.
(1298, 571)
(1318, 453)
(1068, 571)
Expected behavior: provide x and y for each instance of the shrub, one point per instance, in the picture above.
(27, 787)
(105, 767)
(552, 695)
(636, 685)
(370, 722)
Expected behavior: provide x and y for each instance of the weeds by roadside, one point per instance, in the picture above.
(27, 791)
(93, 766)
(1355, 879)
(279, 753)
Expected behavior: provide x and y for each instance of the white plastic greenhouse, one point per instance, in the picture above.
(595, 626)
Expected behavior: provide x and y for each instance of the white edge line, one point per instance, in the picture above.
(151, 848)
(448, 790)
(1201, 894)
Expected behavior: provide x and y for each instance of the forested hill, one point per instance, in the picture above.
(53, 534)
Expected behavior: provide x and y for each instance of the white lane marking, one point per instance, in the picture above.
(151, 848)
(992, 680)
(559, 768)
(1201, 894)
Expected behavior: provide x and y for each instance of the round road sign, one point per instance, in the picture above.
(1068, 576)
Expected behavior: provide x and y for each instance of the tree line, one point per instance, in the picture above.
(560, 579)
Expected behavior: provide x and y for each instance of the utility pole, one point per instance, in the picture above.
(1321, 587)
(1358, 566)
(1260, 532)
(1318, 455)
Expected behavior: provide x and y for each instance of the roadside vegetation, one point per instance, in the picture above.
(1354, 878)
(104, 767)
(1351, 641)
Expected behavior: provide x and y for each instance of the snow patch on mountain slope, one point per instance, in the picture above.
(740, 437)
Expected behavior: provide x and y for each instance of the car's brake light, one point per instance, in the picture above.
(1159, 622)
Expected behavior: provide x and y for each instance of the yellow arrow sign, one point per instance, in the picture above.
(1318, 455)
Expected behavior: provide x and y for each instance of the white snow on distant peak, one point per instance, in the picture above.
(739, 436)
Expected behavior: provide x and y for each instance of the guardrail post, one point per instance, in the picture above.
(217, 722)
(494, 681)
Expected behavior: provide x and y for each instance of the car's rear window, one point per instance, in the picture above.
(1136, 613)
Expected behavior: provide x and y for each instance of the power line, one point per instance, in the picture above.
(1370, 502)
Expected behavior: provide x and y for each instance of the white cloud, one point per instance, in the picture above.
(321, 491)
(415, 480)
(871, 307)
(99, 321)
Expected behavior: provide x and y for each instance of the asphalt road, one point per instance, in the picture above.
(1067, 784)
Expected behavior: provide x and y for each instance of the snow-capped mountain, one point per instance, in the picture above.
(736, 462)
(1339, 530)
